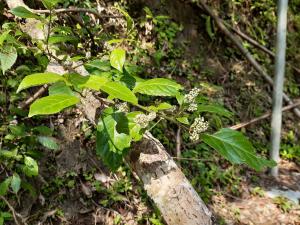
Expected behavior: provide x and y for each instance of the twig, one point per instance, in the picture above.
(15, 214)
(84, 10)
(252, 41)
(193, 159)
(258, 45)
(178, 143)
(244, 51)
(34, 97)
(266, 115)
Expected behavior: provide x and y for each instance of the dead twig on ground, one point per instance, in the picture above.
(264, 116)
(243, 50)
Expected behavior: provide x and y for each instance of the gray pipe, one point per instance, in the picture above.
(278, 83)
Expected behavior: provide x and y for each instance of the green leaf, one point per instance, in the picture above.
(117, 59)
(50, 4)
(15, 183)
(23, 12)
(158, 87)
(9, 154)
(4, 186)
(117, 90)
(179, 98)
(31, 167)
(43, 130)
(57, 38)
(4, 36)
(134, 128)
(95, 82)
(111, 143)
(39, 79)
(161, 106)
(214, 109)
(8, 57)
(60, 88)
(51, 104)
(235, 147)
(183, 120)
(101, 65)
(48, 142)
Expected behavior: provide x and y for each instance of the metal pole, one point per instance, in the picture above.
(278, 83)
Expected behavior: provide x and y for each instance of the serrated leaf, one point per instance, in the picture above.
(31, 167)
(57, 38)
(183, 120)
(158, 87)
(117, 59)
(4, 186)
(111, 143)
(117, 90)
(60, 88)
(4, 36)
(214, 109)
(48, 142)
(235, 147)
(8, 57)
(52, 104)
(15, 183)
(23, 12)
(37, 79)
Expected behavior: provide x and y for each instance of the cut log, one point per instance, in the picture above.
(166, 185)
(164, 182)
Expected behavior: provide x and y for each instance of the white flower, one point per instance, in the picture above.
(192, 95)
(122, 107)
(192, 107)
(143, 119)
(199, 126)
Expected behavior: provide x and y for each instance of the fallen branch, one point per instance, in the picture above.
(244, 51)
(266, 115)
(258, 45)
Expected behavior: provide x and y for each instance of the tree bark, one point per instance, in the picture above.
(166, 185)
(164, 182)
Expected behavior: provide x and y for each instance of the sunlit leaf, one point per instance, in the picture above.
(117, 59)
(158, 87)
(31, 167)
(52, 104)
(39, 79)
(23, 12)
(117, 90)
(8, 57)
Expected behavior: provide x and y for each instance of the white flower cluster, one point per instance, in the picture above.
(122, 107)
(143, 119)
(199, 126)
(190, 99)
